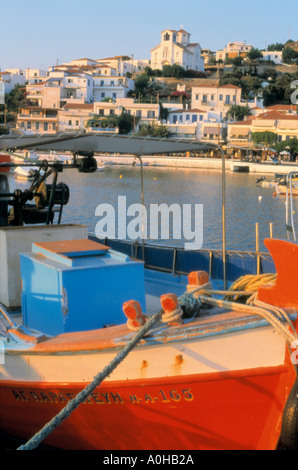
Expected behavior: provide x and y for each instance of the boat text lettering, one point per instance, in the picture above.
(106, 398)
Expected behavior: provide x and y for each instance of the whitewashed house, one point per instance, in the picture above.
(273, 56)
(216, 98)
(175, 48)
(74, 116)
(111, 86)
(10, 80)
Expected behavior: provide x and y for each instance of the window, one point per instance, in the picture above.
(112, 112)
(201, 117)
(212, 97)
(139, 113)
(37, 126)
(204, 98)
(102, 82)
(69, 122)
(112, 83)
(45, 126)
(197, 97)
(28, 125)
(114, 96)
(77, 123)
(194, 118)
(151, 114)
(228, 99)
(101, 112)
(187, 117)
(54, 126)
(102, 95)
(220, 97)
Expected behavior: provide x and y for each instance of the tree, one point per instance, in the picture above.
(275, 47)
(254, 54)
(154, 130)
(290, 145)
(238, 113)
(289, 55)
(266, 138)
(173, 71)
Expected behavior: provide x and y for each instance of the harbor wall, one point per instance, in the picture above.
(199, 163)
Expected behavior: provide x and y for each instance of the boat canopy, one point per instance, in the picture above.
(104, 143)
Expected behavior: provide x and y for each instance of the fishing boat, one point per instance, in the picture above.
(149, 350)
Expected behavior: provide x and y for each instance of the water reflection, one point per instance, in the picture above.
(182, 186)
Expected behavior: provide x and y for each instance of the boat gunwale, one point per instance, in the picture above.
(72, 343)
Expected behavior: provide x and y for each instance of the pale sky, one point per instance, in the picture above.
(40, 33)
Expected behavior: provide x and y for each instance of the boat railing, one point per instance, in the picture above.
(175, 260)
(290, 224)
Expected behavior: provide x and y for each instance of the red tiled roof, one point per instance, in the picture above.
(210, 85)
(276, 115)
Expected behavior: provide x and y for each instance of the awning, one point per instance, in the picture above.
(236, 131)
(211, 130)
(103, 143)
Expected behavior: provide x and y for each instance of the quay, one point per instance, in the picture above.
(200, 163)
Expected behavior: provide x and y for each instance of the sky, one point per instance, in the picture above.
(42, 33)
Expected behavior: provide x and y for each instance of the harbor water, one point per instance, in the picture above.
(246, 202)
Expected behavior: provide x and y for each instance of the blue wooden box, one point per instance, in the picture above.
(77, 285)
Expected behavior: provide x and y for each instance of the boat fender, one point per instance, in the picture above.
(289, 428)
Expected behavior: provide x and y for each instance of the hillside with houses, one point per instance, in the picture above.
(235, 97)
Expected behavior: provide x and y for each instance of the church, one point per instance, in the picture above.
(176, 48)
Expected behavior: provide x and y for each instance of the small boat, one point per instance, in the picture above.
(25, 173)
(103, 339)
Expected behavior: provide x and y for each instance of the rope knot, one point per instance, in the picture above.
(172, 310)
(135, 317)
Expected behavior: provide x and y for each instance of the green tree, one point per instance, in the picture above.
(266, 138)
(154, 130)
(289, 55)
(275, 47)
(254, 54)
(238, 112)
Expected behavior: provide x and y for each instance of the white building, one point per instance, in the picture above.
(122, 64)
(274, 56)
(198, 124)
(114, 87)
(175, 48)
(10, 80)
(31, 75)
(60, 87)
(216, 98)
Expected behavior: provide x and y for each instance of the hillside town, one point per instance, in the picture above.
(238, 96)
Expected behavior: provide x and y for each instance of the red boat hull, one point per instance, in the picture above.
(240, 410)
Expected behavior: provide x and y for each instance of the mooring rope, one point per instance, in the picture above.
(34, 442)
